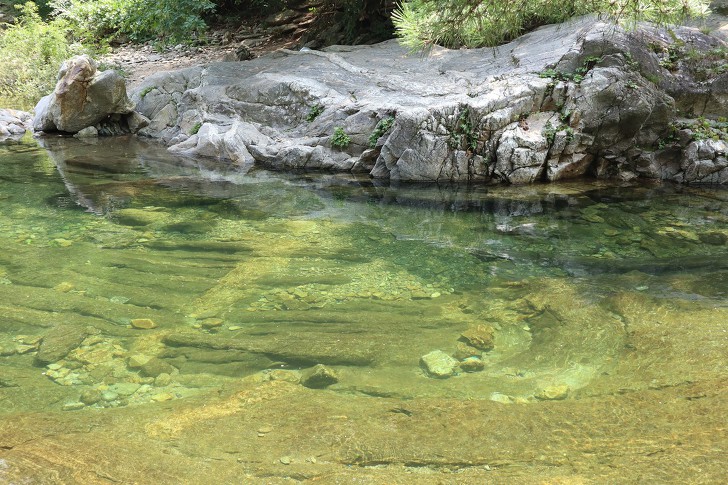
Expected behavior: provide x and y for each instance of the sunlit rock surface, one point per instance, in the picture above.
(581, 98)
(83, 97)
(14, 123)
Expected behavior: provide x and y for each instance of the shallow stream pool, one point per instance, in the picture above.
(167, 320)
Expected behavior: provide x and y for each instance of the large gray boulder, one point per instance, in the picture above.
(582, 98)
(82, 97)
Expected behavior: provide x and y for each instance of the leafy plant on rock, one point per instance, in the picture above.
(577, 76)
(340, 139)
(463, 136)
(314, 112)
(146, 91)
(549, 132)
(383, 126)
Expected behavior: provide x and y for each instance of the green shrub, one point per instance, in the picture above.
(168, 21)
(31, 51)
(474, 23)
(251, 7)
(314, 112)
(383, 126)
(549, 132)
(577, 76)
(465, 131)
(340, 139)
(165, 21)
(94, 21)
(569, 134)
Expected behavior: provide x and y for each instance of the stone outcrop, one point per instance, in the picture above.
(14, 123)
(85, 97)
(583, 98)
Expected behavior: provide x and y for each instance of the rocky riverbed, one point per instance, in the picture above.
(170, 320)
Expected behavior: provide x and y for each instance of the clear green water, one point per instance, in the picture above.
(261, 276)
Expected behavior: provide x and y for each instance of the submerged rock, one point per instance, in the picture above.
(90, 396)
(553, 393)
(319, 377)
(124, 388)
(713, 238)
(139, 217)
(155, 367)
(73, 406)
(59, 342)
(438, 364)
(149, 366)
(472, 364)
(463, 351)
(480, 337)
(143, 323)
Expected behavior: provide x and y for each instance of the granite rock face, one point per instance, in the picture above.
(582, 98)
(82, 97)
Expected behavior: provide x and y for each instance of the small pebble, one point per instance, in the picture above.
(163, 396)
(24, 349)
(90, 396)
(143, 323)
(73, 406)
(286, 460)
(64, 287)
(162, 380)
(553, 393)
(212, 323)
(472, 364)
(501, 398)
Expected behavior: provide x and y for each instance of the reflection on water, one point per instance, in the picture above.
(132, 279)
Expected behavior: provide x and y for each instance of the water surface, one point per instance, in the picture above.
(600, 297)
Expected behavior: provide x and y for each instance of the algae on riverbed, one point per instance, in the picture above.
(608, 307)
